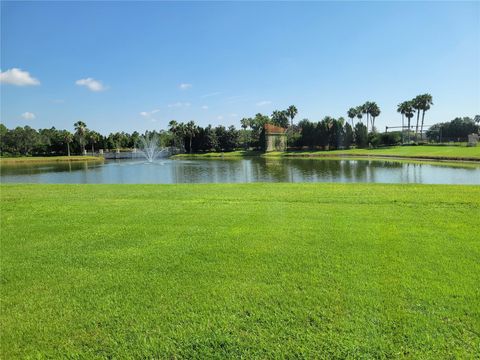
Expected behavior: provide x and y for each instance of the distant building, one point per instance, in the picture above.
(275, 138)
(472, 140)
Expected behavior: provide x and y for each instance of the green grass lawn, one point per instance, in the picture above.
(46, 159)
(422, 151)
(251, 270)
(229, 154)
(426, 151)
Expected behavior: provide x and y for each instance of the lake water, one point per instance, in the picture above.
(240, 171)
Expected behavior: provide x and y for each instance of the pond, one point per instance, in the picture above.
(241, 171)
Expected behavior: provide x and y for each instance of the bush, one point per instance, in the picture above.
(361, 136)
(391, 138)
(385, 139)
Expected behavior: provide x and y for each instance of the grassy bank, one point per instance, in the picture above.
(254, 270)
(46, 159)
(418, 152)
(427, 152)
(230, 154)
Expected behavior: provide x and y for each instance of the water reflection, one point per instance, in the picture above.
(61, 166)
(241, 171)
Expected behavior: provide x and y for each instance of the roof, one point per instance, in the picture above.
(272, 129)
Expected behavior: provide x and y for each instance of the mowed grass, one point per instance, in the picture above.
(46, 159)
(421, 151)
(230, 271)
(454, 152)
(228, 154)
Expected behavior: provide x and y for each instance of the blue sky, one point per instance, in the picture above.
(136, 66)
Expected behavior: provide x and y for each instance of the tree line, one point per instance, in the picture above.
(328, 133)
(456, 130)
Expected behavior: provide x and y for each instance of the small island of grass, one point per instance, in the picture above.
(46, 159)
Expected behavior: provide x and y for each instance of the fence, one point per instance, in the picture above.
(408, 134)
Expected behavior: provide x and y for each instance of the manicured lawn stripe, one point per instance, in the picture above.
(250, 270)
(46, 159)
(427, 152)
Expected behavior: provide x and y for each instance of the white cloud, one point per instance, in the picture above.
(58, 101)
(264, 102)
(91, 84)
(220, 117)
(233, 115)
(28, 115)
(179, 104)
(149, 113)
(211, 94)
(18, 77)
(185, 86)
(204, 107)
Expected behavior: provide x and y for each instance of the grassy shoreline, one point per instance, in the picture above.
(46, 159)
(430, 152)
(240, 270)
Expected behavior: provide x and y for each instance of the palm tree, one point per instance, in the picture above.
(366, 110)
(93, 138)
(80, 132)
(173, 127)
(352, 112)
(67, 139)
(291, 113)
(401, 108)
(417, 103)
(359, 111)
(181, 133)
(191, 130)
(374, 112)
(245, 122)
(409, 113)
(280, 118)
(427, 102)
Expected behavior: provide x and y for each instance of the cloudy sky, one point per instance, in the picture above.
(136, 66)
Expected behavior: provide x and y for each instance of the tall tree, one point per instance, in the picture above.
(417, 104)
(367, 110)
(348, 139)
(359, 111)
(291, 113)
(191, 130)
(93, 138)
(361, 135)
(173, 127)
(80, 132)
(67, 139)
(245, 123)
(409, 113)
(352, 113)
(401, 108)
(374, 113)
(280, 118)
(427, 102)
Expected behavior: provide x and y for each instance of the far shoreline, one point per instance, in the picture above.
(47, 159)
(421, 153)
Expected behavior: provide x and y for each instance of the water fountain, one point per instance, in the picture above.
(149, 147)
